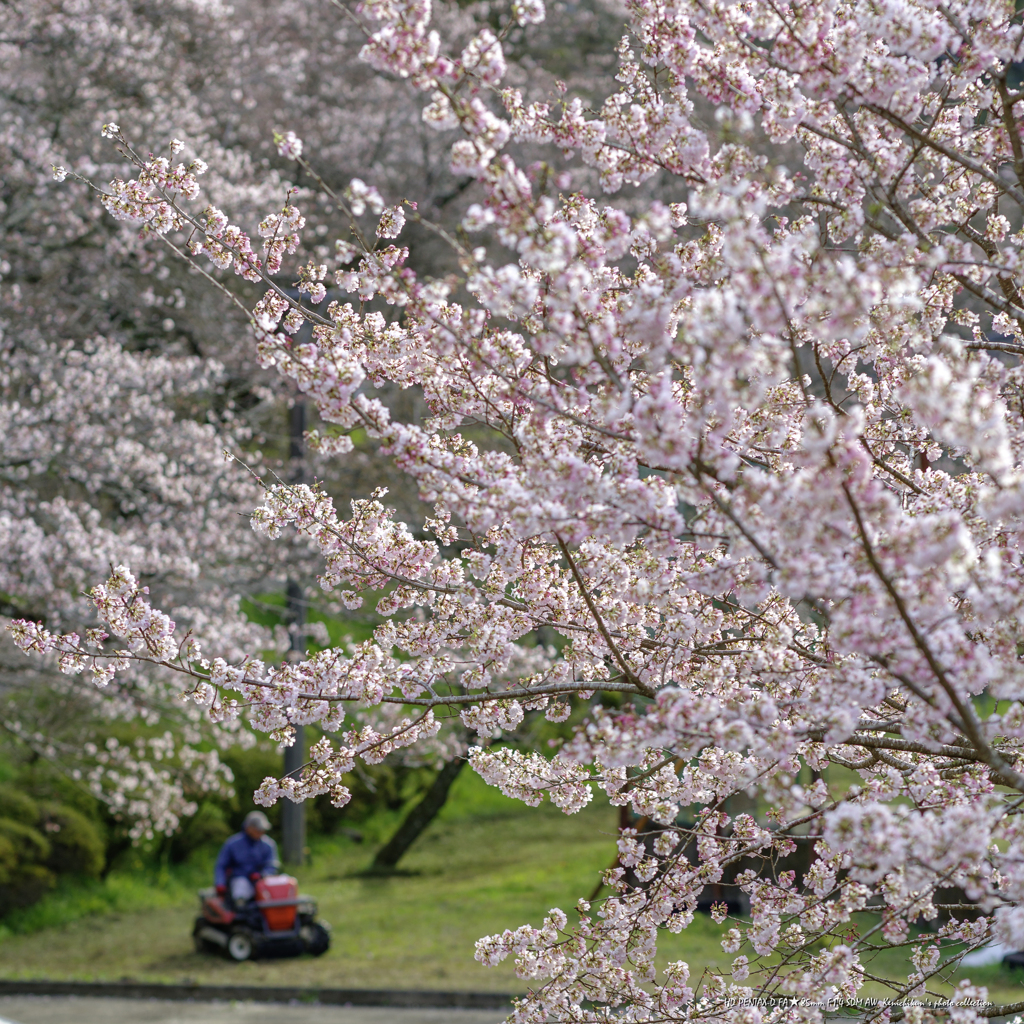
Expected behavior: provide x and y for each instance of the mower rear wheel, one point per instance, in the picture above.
(316, 939)
(241, 945)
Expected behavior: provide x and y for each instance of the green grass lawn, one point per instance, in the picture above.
(486, 864)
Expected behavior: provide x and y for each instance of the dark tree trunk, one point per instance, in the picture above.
(418, 818)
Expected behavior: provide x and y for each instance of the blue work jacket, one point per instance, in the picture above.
(242, 855)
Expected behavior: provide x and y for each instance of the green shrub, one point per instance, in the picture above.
(42, 781)
(18, 806)
(8, 860)
(24, 877)
(250, 768)
(76, 847)
(207, 827)
(28, 883)
(30, 844)
(38, 841)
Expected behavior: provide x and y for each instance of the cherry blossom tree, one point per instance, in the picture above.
(120, 389)
(754, 455)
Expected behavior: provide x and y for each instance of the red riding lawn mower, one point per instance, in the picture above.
(279, 922)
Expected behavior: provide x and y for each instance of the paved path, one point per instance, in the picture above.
(91, 1010)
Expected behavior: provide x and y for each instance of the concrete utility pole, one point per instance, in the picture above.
(293, 815)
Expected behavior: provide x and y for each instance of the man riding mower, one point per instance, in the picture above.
(252, 910)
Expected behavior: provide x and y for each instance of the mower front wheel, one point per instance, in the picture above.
(241, 945)
(316, 939)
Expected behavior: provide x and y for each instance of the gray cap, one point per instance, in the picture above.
(258, 820)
